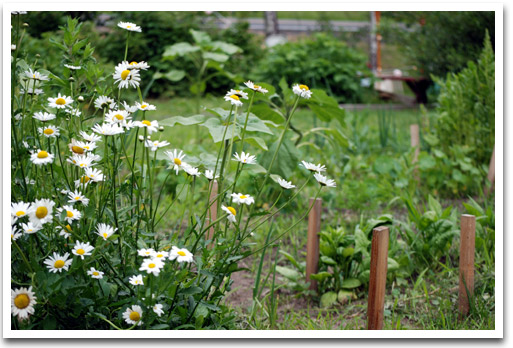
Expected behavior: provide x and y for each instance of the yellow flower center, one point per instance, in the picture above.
(160, 255)
(124, 74)
(181, 253)
(146, 122)
(233, 211)
(68, 227)
(48, 131)
(41, 212)
(20, 213)
(96, 273)
(257, 86)
(177, 161)
(58, 264)
(60, 101)
(135, 316)
(243, 197)
(151, 265)
(128, 26)
(42, 154)
(80, 251)
(304, 87)
(234, 96)
(34, 75)
(84, 179)
(69, 213)
(119, 117)
(144, 106)
(21, 301)
(77, 198)
(82, 164)
(105, 235)
(77, 149)
(133, 63)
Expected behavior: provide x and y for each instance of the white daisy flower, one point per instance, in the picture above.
(302, 91)
(25, 144)
(72, 67)
(22, 302)
(145, 106)
(130, 109)
(90, 137)
(82, 161)
(133, 315)
(154, 145)
(142, 65)
(82, 249)
(49, 131)
(234, 99)
(13, 47)
(30, 228)
(136, 280)
(64, 231)
(94, 174)
(177, 159)
(238, 93)
(20, 209)
(192, 171)
(209, 174)
(254, 87)
(180, 255)
(239, 198)
(77, 196)
(314, 168)
(71, 213)
(73, 112)
(104, 102)
(108, 129)
(285, 184)
(160, 255)
(60, 102)
(15, 234)
(18, 117)
(152, 265)
(34, 75)
(158, 309)
(57, 263)
(129, 26)
(324, 181)
(146, 252)
(244, 158)
(117, 116)
(75, 147)
(41, 211)
(232, 213)
(105, 231)
(126, 77)
(31, 90)
(94, 273)
(41, 157)
(152, 126)
(44, 116)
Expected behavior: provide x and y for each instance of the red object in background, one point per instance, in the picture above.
(422, 21)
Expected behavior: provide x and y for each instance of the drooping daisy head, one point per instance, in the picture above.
(41, 211)
(44, 116)
(302, 91)
(41, 157)
(34, 75)
(176, 158)
(209, 174)
(158, 309)
(20, 209)
(254, 87)
(232, 213)
(244, 158)
(32, 90)
(82, 249)
(49, 131)
(136, 280)
(104, 230)
(190, 170)
(15, 234)
(313, 167)
(324, 181)
(94, 273)
(22, 302)
(180, 255)
(129, 26)
(285, 184)
(60, 102)
(126, 77)
(152, 265)
(57, 263)
(104, 102)
(240, 198)
(73, 111)
(133, 315)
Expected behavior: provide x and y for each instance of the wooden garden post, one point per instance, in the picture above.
(491, 174)
(378, 278)
(312, 244)
(467, 247)
(415, 140)
(212, 213)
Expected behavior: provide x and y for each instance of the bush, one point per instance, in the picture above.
(320, 61)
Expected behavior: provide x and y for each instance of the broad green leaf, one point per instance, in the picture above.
(217, 129)
(200, 37)
(344, 296)
(257, 142)
(172, 75)
(321, 276)
(392, 265)
(328, 299)
(434, 205)
(288, 273)
(348, 251)
(328, 260)
(426, 161)
(351, 283)
(264, 112)
(186, 121)
(325, 107)
(218, 57)
(198, 87)
(254, 124)
(227, 48)
(290, 258)
(179, 49)
(286, 161)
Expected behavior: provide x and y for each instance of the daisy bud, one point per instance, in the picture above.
(80, 98)
(71, 79)
(26, 25)
(161, 129)
(141, 138)
(148, 137)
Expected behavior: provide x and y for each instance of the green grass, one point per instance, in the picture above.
(312, 15)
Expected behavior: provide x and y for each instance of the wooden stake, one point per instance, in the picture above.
(467, 247)
(491, 174)
(312, 244)
(415, 140)
(212, 213)
(378, 278)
